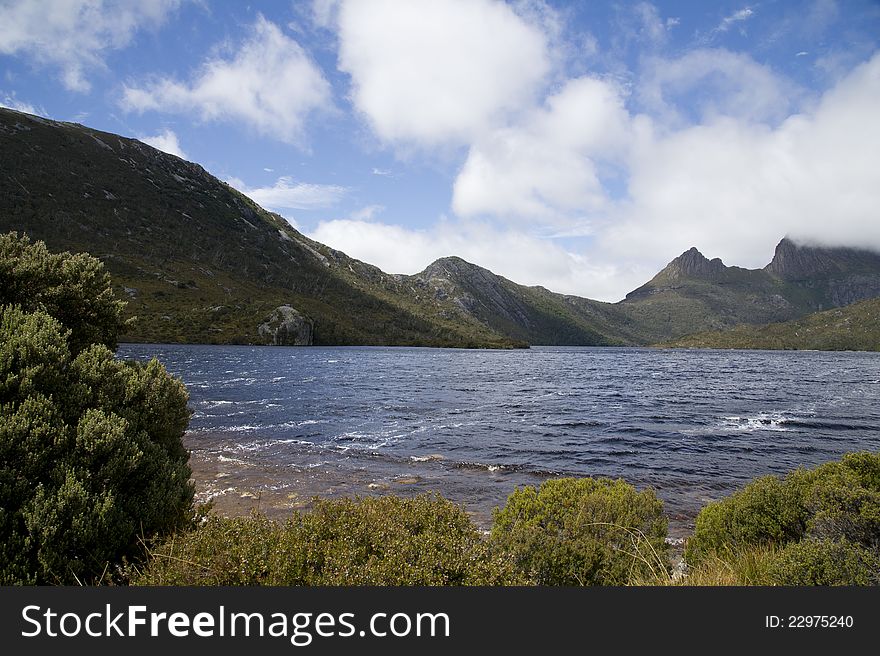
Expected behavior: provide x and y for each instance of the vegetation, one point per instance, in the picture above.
(426, 540)
(855, 327)
(583, 532)
(819, 526)
(91, 457)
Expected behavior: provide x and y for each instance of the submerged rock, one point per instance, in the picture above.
(285, 326)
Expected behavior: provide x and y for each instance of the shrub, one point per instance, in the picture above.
(389, 540)
(72, 288)
(836, 501)
(583, 532)
(825, 562)
(91, 456)
(766, 511)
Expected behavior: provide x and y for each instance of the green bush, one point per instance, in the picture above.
(583, 532)
(389, 540)
(836, 501)
(72, 288)
(91, 457)
(766, 511)
(825, 562)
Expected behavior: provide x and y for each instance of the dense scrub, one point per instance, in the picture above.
(825, 523)
(425, 540)
(91, 458)
(583, 532)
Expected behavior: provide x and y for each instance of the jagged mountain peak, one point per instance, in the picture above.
(693, 264)
(793, 261)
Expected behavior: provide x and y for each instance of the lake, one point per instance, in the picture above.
(281, 425)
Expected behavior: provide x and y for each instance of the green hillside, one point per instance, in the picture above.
(855, 327)
(196, 260)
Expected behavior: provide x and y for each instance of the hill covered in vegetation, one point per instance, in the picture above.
(855, 327)
(197, 261)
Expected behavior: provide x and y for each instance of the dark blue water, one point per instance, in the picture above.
(694, 425)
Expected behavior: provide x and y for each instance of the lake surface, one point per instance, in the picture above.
(473, 425)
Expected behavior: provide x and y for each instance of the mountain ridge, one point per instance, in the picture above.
(199, 261)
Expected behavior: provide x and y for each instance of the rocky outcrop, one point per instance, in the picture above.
(693, 264)
(286, 327)
(795, 262)
(476, 291)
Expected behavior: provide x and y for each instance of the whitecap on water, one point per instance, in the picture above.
(760, 422)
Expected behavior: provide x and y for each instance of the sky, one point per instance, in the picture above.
(575, 145)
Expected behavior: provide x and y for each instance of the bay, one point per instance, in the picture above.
(274, 427)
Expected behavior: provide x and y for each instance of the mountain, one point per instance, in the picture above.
(198, 261)
(694, 294)
(826, 277)
(855, 327)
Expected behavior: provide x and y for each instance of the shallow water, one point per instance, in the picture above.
(473, 425)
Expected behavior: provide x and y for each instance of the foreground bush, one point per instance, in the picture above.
(825, 562)
(91, 457)
(390, 540)
(71, 287)
(834, 501)
(583, 532)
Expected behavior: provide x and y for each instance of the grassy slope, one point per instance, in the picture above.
(854, 328)
(198, 261)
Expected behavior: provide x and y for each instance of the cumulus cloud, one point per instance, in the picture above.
(167, 142)
(733, 188)
(286, 194)
(432, 72)
(545, 167)
(74, 35)
(709, 82)
(270, 83)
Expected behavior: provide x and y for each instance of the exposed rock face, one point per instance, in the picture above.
(834, 276)
(286, 327)
(693, 264)
(476, 291)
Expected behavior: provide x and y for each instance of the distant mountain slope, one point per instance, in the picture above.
(195, 259)
(852, 328)
(199, 262)
(531, 314)
(694, 294)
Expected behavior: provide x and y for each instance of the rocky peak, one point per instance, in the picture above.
(449, 268)
(799, 262)
(693, 264)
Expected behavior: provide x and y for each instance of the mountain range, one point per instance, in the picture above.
(197, 261)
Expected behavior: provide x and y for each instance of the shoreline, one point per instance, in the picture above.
(236, 487)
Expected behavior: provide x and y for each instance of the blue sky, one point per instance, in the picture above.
(575, 145)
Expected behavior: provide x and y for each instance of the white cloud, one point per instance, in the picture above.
(545, 168)
(736, 17)
(510, 253)
(367, 213)
(286, 194)
(652, 28)
(167, 142)
(733, 188)
(11, 101)
(432, 72)
(729, 181)
(270, 83)
(74, 35)
(712, 82)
